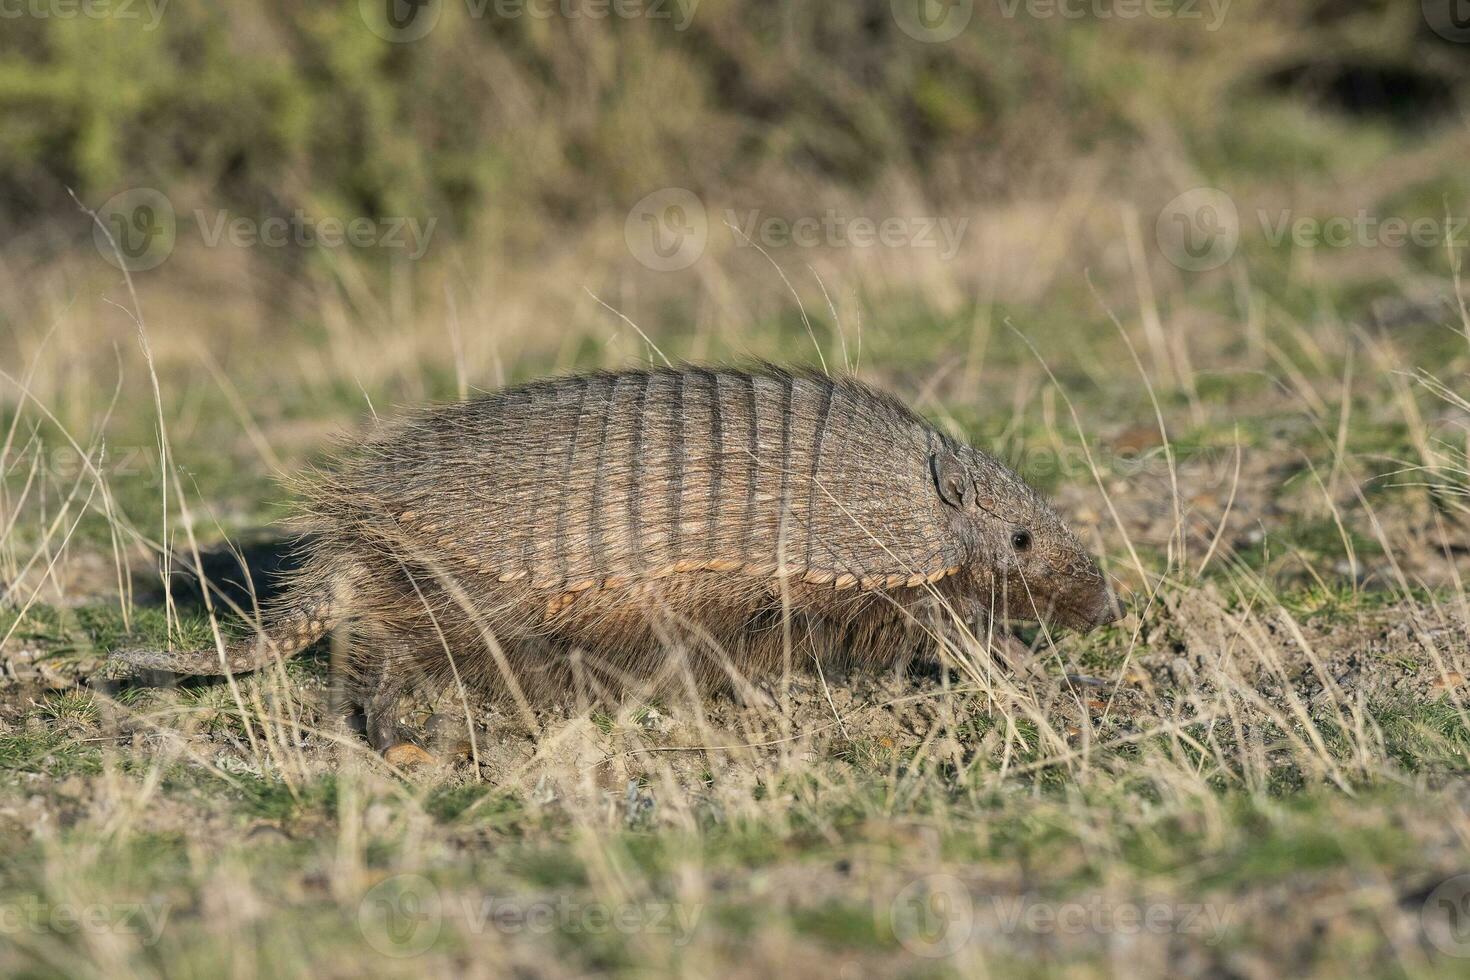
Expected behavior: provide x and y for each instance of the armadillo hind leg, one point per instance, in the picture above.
(381, 708)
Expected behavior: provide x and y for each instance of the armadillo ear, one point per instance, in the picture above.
(950, 478)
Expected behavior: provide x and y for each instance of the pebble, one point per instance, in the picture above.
(406, 755)
(1448, 681)
(1137, 439)
(1136, 676)
(266, 833)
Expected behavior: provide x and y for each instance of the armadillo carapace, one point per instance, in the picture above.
(656, 526)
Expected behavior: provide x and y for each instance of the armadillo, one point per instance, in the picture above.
(652, 527)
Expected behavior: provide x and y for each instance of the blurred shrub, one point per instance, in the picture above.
(515, 126)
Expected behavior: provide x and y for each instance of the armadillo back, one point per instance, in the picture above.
(597, 481)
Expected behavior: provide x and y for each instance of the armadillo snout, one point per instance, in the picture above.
(1106, 608)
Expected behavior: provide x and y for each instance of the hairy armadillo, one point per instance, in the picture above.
(656, 527)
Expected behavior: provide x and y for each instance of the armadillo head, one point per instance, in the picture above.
(1021, 552)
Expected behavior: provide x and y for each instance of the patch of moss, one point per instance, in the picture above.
(445, 803)
(274, 799)
(52, 751)
(842, 925)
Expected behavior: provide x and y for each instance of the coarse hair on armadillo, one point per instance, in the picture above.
(577, 530)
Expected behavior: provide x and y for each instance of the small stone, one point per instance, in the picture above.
(1136, 676)
(267, 833)
(54, 681)
(406, 755)
(1448, 681)
(1137, 439)
(377, 818)
(654, 720)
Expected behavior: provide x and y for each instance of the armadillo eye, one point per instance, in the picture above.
(1021, 540)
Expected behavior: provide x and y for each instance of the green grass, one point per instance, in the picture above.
(56, 753)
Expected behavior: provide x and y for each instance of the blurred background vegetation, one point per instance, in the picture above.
(519, 131)
(1051, 135)
(521, 126)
